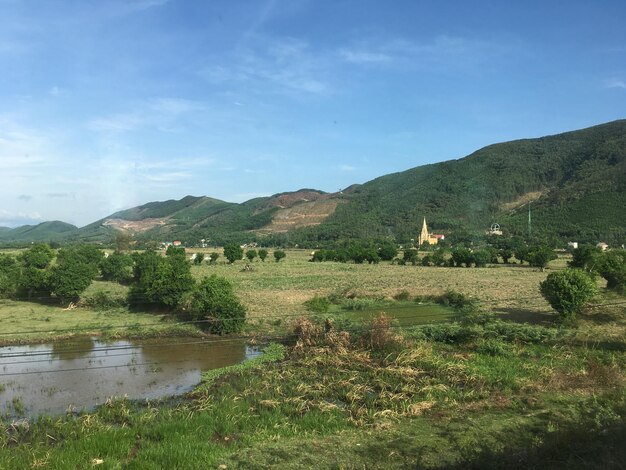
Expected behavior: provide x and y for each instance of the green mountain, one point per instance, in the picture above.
(45, 231)
(574, 184)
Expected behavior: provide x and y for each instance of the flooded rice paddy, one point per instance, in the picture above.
(81, 373)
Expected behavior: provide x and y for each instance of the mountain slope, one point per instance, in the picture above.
(45, 231)
(577, 181)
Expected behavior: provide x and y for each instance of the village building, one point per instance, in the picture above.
(603, 246)
(427, 237)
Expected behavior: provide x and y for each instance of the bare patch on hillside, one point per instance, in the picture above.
(134, 226)
(523, 199)
(287, 200)
(304, 214)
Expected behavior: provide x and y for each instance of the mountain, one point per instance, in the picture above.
(45, 231)
(574, 184)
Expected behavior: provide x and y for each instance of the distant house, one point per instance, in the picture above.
(572, 245)
(177, 243)
(603, 246)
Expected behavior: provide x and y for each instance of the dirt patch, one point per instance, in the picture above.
(523, 199)
(134, 226)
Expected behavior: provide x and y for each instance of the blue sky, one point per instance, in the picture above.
(109, 104)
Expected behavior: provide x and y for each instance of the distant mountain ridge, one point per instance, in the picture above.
(575, 183)
(45, 231)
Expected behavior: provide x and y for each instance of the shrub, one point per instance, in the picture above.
(613, 269)
(213, 257)
(403, 295)
(213, 302)
(568, 291)
(540, 256)
(263, 254)
(251, 254)
(233, 252)
(318, 304)
(103, 300)
(410, 256)
(379, 335)
(279, 254)
(387, 250)
(199, 258)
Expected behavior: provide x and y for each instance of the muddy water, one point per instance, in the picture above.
(83, 372)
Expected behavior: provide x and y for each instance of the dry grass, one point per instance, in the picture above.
(275, 289)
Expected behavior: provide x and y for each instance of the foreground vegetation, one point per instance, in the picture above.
(351, 391)
(477, 394)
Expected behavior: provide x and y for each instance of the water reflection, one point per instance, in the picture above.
(84, 372)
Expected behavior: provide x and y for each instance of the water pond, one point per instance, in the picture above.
(84, 372)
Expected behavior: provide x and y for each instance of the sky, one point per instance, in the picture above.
(105, 105)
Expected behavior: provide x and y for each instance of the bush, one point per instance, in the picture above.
(263, 254)
(318, 304)
(279, 254)
(39, 256)
(103, 300)
(251, 254)
(613, 269)
(213, 257)
(233, 252)
(410, 256)
(199, 258)
(213, 302)
(402, 296)
(568, 291)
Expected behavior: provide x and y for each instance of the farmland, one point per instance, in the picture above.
(475, 394)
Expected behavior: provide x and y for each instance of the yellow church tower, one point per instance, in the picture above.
(424, 237)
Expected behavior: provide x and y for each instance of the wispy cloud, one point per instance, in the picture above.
(615, 83)
(14, 219)
(160, 113)
(346, 168)
(285, 65)
(25, 197)
(360, 56)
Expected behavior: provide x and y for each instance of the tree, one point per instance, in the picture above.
(586, 257)
(69, 278)
(251, 254)
(160, 281)
(462, 256)
(9, 276)
(279, 254)
(481, 258)
(213, 257)
(88, 255)
(233, 252)
(568, 291)
(387, 250)
(117, 267)
(613, 269)
(410, 256)
(198, 259)
(39, 256)
(263, 254)
(540, 256)
(123, 242)
(437, 258)
(34, 283)
(213, 302)
(175, 251)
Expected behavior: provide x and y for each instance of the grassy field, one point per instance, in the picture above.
(481, 394)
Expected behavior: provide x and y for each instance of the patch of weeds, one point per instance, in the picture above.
(402, 296)
(318, 304)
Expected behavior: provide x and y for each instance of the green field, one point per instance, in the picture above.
(479, 394)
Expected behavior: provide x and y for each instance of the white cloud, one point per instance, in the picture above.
(346, 168)
(15, 219)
